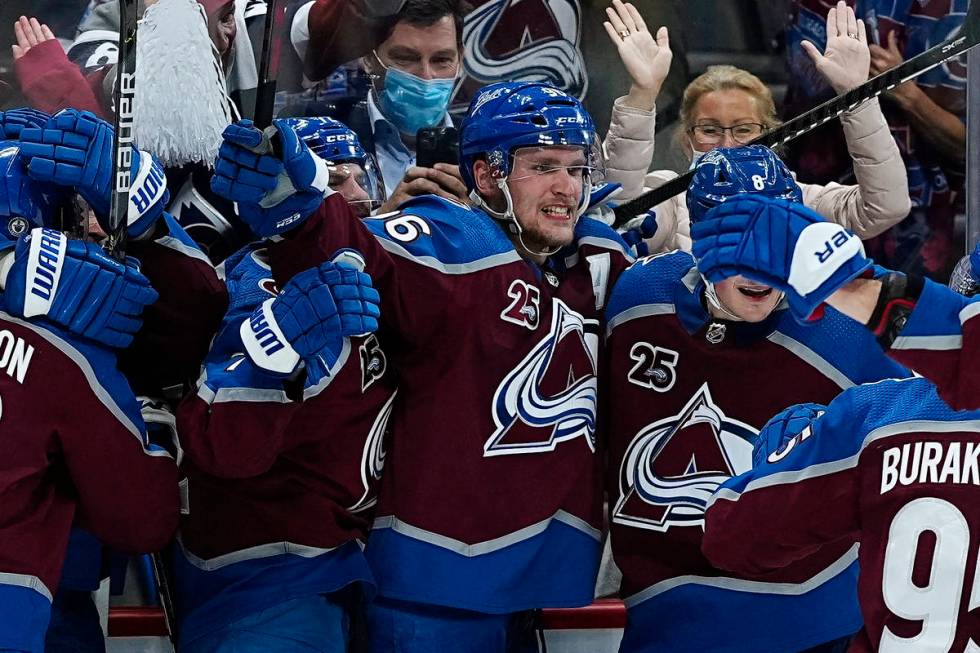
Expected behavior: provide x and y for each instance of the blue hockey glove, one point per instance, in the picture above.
(274, 193)
(76, 286)
(12, 122)
(783, 432)
(639, 230)
(779, 243)
(310, 318)
(74, 149)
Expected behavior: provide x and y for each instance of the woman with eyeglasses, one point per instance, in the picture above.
(727, 107)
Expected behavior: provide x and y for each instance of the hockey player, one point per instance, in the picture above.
(65, 461)
(490, 504)
(694, 370)
(918, 322)
(283, 457)
(354, 172)
(282, 472)
(888, 466)
(73, 151)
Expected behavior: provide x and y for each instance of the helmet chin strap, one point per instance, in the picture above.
(509, 218)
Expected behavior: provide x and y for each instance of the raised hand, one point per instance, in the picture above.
(83, 291)
(846, 60)
(780, 243)
(647, 60)
(29, 33)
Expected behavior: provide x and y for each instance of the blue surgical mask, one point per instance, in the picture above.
(412, 103)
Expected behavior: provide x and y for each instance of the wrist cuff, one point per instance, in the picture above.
(897, 298)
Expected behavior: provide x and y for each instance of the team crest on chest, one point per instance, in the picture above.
(672, 467)
(373, 362)
(525, 306)
(550, 396)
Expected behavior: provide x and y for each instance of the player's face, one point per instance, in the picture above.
(349, 180)
(749, 300)
(426, 51)
(546, 187)
(727, 108)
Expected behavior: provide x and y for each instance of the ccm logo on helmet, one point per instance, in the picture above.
(570, 120)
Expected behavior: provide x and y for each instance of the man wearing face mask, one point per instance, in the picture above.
(414, 69)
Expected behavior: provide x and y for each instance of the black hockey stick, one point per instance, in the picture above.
(122, 151)
(967, 37)
(265, 97)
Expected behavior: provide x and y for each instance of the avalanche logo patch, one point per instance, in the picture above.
(373, 362)
(672, 467)
(550, 396)
(524, 307)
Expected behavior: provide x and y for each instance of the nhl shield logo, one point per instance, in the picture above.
(673, 466)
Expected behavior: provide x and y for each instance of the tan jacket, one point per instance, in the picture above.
(878, 201)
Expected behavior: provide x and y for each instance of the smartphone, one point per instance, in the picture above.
(436, 145)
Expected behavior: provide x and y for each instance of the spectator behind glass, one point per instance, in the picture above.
(414, 69)
(925, 117)
(728, 107)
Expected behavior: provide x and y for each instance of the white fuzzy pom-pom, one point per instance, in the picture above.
(181, 104)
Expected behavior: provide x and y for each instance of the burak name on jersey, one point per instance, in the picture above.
(551, 395)
(673, 466)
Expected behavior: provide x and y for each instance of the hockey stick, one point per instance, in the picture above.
(122, 168)
(967, 37)
(265, 97)
(122, 151)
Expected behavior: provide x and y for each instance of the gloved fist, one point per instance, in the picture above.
(75, 149)
(639, 230)
(784, 431)
(76, 286)
(12, 122)
(310, 318)
(274, 192)
(779, 243)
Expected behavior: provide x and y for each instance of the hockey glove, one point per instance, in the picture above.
(638, 231)
(75, 149)
(310, 318)
(779, 243)
(274, 192)
(76, 286)
(783, 432)
(12, 122)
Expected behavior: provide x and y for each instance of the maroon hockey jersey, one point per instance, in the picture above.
(491, 499)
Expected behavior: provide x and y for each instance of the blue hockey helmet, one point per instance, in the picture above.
(728, 171)
(506, 116)
(965, 278)
(337, 144)
(22, 204)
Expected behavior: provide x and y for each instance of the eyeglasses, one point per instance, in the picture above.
(742, 134)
